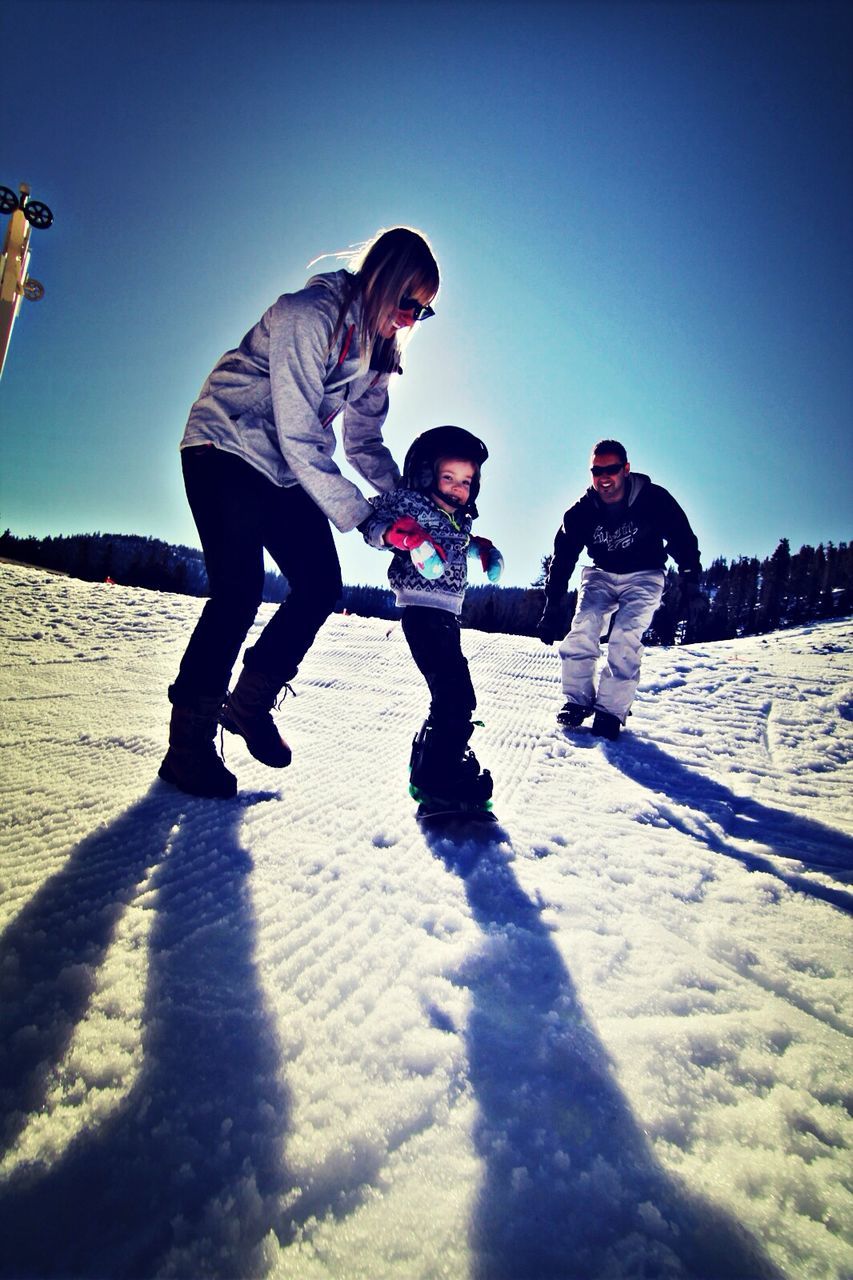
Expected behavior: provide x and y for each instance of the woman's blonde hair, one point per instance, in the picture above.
(395, 263)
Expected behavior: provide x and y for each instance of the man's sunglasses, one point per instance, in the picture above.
(612, 469)
(420, 310)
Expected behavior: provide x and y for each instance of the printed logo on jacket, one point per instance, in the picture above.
(615, 539)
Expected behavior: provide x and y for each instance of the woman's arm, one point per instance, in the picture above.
(300, 329)
(363, 445)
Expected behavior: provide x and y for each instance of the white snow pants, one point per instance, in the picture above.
(633, 598)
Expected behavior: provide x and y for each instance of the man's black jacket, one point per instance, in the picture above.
(623, 537)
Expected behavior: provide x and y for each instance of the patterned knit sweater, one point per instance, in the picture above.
(451, 532)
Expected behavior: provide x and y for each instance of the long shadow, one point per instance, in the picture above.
(189, 1167)
(786, 835)
(571, 1187)
(50, 952)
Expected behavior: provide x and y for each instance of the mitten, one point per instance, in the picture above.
(405, 533)
(490, 558)
(428, 559)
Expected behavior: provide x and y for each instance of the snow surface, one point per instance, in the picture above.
(291, 1035)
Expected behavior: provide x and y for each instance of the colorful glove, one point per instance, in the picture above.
(490, 558)
(551, 625)
(405, 533)
(428, 559)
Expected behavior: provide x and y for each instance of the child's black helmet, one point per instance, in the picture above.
(443, 442)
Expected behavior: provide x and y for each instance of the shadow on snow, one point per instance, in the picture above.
(782, 834)
(189, 1165)
(187, 1177)
(571, 1188)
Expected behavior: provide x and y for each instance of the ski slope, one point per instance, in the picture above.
(291, 1036)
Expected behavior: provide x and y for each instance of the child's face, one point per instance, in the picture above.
(453, 478)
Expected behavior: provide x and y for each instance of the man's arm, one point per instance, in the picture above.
(568, 544)
(681, 542)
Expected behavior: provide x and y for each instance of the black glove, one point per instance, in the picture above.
(551, 625)
(694, 601)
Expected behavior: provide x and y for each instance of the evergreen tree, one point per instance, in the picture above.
(799, 577)
(773, 595)
(782, 590)
(744, 595)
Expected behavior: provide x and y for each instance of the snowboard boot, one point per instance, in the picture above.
(247, 712)
(572, 714)
(442, 767)
(192, 763)
(473, 785)
(606, 725)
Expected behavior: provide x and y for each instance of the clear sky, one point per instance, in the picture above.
(642, 213)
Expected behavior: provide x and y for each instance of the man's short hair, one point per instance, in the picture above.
(611, 446)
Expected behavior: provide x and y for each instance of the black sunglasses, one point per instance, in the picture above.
(611, 469)
(421, 310)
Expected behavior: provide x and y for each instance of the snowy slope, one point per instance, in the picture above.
(290, 1036)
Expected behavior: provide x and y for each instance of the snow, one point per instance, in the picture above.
(293, 1036)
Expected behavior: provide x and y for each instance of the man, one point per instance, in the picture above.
(628, 526)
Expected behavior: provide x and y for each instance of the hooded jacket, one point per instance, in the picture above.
(635, 534)
(273, 399)
(451, 532)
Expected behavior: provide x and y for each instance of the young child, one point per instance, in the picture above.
(427, 523)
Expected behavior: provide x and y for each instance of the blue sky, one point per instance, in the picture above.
(642, 213)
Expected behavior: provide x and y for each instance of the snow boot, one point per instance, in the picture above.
(247, 713)
(606, 725)
(442, 767)
(192, 763)
(572, 714)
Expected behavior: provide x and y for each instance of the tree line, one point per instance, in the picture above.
(745, 597)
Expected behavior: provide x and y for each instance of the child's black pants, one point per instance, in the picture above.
(433, 635)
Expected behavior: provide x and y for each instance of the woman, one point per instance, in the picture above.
(259, 473)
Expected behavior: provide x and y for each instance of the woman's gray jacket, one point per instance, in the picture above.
(273, 399)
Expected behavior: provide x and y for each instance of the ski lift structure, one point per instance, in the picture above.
(15, 283)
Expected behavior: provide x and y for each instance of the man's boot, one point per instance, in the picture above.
(572, 714)
(247, 713)
(192, 763)
(606, 725)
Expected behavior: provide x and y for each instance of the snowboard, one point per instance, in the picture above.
(437, 812)
(584, 733)
(437, 815)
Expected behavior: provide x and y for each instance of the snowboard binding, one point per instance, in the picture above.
(445, 776)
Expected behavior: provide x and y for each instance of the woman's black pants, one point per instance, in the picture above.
(239, 514)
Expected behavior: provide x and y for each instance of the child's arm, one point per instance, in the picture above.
(405, 534)
(386, 527)
(490, 558)
(380, 520)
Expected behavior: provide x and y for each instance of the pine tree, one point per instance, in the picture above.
(773, 594)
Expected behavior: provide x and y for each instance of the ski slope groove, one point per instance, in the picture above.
(294, 1035)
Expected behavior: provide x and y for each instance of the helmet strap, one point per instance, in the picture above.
(449, 498)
